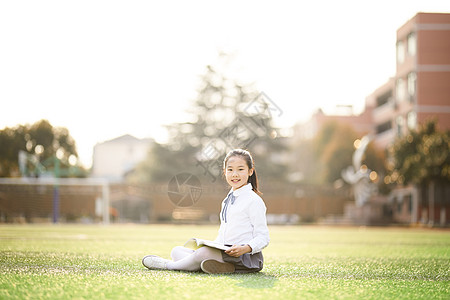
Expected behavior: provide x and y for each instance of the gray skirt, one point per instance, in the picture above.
(246, 263)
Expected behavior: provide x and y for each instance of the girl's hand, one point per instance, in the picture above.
(237, 250)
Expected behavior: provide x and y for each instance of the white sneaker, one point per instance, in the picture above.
(155, 262)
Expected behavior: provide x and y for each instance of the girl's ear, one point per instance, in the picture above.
(250, 172)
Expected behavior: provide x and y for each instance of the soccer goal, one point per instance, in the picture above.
(47, 199)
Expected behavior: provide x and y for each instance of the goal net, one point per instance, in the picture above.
(55, 200)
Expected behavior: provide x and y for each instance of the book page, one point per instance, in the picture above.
(196, 243)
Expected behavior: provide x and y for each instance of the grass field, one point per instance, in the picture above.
(304, 262)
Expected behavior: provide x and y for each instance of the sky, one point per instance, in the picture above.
(107, 68)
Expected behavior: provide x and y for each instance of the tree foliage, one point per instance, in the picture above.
(334, 148)
(422, 156)
(225, 114)
(40, 139)
(322, 159)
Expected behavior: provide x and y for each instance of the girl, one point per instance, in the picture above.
(243, 226)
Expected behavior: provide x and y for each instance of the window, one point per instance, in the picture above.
(399, 124)
(383, 127)
(412, 78)
(385, 98)
(400, 206)
(408, 200)
(411, 120)
(412, 44)
(400, 52)
(400, 89)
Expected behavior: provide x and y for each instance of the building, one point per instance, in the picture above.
(362, 123)
(419, 91)
(113, 159)
(420, 88)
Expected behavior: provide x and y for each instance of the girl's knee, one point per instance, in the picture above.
(176, 249)
(207, 253)
(179, 252)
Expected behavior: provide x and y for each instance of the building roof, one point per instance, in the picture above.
(126, 138)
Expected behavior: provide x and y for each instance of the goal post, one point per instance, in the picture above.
(20, 195)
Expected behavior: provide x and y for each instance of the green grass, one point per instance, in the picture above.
(97, 262)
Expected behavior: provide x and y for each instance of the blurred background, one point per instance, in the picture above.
(123, 112)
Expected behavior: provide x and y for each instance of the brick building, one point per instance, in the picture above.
(420, 88)
(418, 91)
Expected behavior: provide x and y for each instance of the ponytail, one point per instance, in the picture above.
(254, 181)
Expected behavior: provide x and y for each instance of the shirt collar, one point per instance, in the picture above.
(246, 188)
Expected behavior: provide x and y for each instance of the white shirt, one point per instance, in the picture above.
(245, 220)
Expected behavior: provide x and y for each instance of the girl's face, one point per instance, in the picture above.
(237, 172)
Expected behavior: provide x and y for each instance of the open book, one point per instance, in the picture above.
(195, 243)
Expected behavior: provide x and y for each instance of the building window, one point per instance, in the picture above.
(400, 206)
(412, 44)
(383, 127)
(385, 98)
(399, 122)
(411, 120)
(400, 52)
(412, 78)
(408, 200)
(400, 89)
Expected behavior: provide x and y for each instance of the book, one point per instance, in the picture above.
(196, 243)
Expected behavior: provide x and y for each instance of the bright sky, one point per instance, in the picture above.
(107, 68)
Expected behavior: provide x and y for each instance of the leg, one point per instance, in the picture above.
(180, 252)
(193, 261)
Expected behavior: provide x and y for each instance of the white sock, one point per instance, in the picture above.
(193, 261)
(180, 252)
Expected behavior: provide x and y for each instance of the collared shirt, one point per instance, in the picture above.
(245, 220)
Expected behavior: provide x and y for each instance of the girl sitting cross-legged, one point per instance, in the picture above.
(243, 226)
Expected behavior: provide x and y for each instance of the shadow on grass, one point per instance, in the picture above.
(258, 280)
(255, 280)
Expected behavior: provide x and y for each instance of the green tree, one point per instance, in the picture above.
(225, 114)
(40, 139)
(333, 147)
(163, 162)
(422, 156)
(11, 141)
(322, 159)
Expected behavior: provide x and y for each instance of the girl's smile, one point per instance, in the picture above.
(237, 172)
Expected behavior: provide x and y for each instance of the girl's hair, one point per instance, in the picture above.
(245, 155)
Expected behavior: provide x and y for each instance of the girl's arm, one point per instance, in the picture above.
(257, 214)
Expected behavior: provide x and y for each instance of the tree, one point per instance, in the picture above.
(337, 154)
(226, 114)
(40, 139)
(422, 157)
(322, 159)
(11, 141)
(333, 148)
